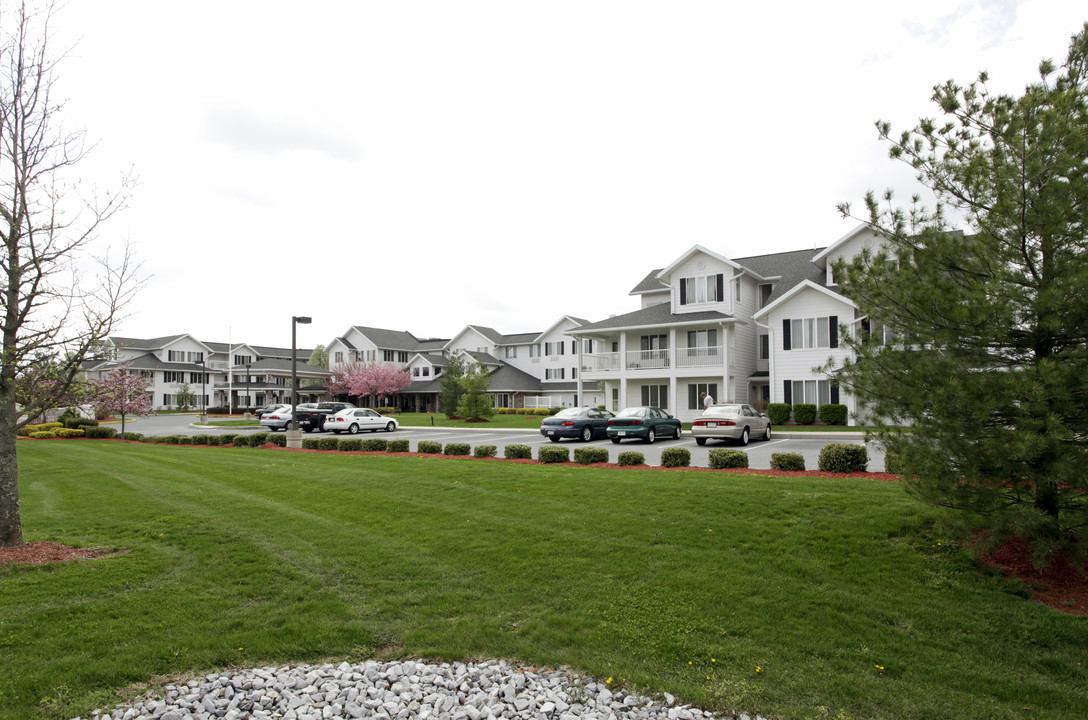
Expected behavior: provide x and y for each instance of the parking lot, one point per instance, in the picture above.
(759, 452)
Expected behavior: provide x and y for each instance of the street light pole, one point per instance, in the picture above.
(203, 389)
(294, 435)
(249, 398)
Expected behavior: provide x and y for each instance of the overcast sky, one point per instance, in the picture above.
(422, 166)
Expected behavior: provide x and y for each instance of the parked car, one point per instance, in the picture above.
(645, 422)
(731, 421)
(352, 420)
(313, 418)
(270, 408)
(280, 419)
(585, 423)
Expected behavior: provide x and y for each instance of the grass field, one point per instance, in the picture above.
(790, 597)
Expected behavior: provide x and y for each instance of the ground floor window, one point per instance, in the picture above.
(814, 392)
(655, 395)
(500, 400)
(695, 391)
(615, 399)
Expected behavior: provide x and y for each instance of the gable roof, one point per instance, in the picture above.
(694, 250)
(821, 256)
(650, 283)
(800, 287)
(791, 268)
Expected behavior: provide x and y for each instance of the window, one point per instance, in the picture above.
(554, 373)
(764, 347)
(415, 372)
(736, 289)
(879, 333)
(807, 333)
(511, 352)
(388, 355)
(555, 348)
(167, 399)
(615, 399)
(243, 359)
(702, 343)
(695, 391)
(427, 371)
(402, 356)
(814, 392)
(534, 351)
(574, 373)
(702, 289)
(198, 377)
(171, 376)
(338, 357)
(764, 294)
(587, 347)
(175, 356)
(195, 357)
(656, 395)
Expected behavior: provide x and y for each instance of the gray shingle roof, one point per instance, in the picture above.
(793, 267)
(650, 283)
(654, 316)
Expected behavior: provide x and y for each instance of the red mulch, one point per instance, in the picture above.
(1061, 585)
(39, 553)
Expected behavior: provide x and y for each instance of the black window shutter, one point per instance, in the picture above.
(834, 394)
(865, 327)
(683, 292)
(720, 279)
(787, 392)
(833, 330)
(786, 335)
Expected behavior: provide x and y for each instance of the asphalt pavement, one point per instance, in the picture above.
(759, 451)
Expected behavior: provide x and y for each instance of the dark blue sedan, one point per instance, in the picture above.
(585, 423)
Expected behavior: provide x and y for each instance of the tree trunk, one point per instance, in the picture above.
(11, 525)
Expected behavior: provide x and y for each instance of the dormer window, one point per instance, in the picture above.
(702, 289)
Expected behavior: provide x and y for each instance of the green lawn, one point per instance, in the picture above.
(674, 581)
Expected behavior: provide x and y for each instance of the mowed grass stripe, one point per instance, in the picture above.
(254, 556)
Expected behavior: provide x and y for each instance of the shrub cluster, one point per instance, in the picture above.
(201, 440)
(543, 412)
(397, 445)
(843, 458)
(44, 434)
(722, 458)
(385, 410)
(138, 437)
(328, 443)
(517, 452)
(833, 414)
(227, 438)
(100, 432)
(310, 444)
(590, 455)
(804, 413)
(553, 454)
(26, 430)
(69, 432)
(74, 423)
(676, 457)
(429, 446)
(484, 451)
(893, 462)
(375, 444)
(456, 449)
(350, 445)
(631, 457)
(779, 413)
(787, 461)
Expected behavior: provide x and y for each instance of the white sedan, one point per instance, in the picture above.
(352, 420)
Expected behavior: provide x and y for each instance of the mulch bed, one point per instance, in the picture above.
(40, 553)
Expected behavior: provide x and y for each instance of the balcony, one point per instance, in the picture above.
(611, 364)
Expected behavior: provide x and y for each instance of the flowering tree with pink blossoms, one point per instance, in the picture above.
(122, 392)
(368, 380)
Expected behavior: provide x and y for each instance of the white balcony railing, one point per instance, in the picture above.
(695, 357)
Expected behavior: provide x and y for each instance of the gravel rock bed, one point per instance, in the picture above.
(401, 691)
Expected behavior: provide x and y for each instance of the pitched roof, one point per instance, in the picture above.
(508, 378)
(650, 283)
(389, 339)
(793, 268)
(653, 316)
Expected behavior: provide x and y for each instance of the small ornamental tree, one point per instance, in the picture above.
(451, 389)
(319, 358)
(475, 404)
(186, 399)
(367, 380)
(122, 392)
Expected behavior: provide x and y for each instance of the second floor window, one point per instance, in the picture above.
(389, 355)
(808, 333)
(702, 289)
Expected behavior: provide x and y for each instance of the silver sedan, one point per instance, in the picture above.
(731, 421)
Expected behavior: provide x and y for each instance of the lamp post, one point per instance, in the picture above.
(203, 380)
(249, 398)
(294, 435)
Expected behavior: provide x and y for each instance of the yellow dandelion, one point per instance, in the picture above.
(713, 660)
(608, 681)
(759, 668)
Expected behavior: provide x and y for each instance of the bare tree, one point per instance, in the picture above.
(54, 309)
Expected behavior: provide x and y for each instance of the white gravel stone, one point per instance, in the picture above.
(407, 690)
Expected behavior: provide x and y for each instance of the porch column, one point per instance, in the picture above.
(672, 362)
(578, 399)
(728, 391)
(623, 370)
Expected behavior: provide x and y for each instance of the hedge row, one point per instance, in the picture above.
(807, 413)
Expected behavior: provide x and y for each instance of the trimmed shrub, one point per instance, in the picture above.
(396, 446)
(310, 444)
(350, 445)
(257, 439)
(386, 410)
(200, 440)
(484, 451)
(779, 413)
(74, 423)
(276, 439)
(100, 432)
(375, 444)
(787, 461)
(429, 446)
(676, 457)
(553, 454)
(804, 413)
(517, 452)
(590, 455)
(136, 437)
(893, 462)
(69, 432)
(44, 434)
(543, 412)
(843, 458)
(722, 458)
(833, 414)
(554, 410)
(328, 443)
(26, 430)
(184, 440)
(631, 457)
(457, 449)
(227, 438)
